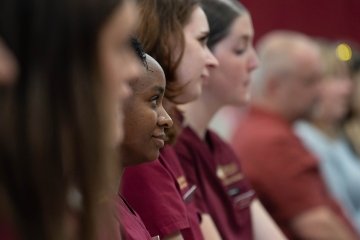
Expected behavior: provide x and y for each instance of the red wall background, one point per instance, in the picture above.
(334, 19)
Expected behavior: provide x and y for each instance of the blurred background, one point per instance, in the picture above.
(334, 19)
(337, 20)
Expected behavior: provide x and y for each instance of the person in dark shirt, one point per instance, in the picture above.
(145, 122)
(224, 193)
(283, 172)
(176, 38)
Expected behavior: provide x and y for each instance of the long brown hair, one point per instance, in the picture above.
(52, 123)
(161, 32)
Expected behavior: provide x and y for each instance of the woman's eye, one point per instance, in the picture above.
(203, 40)
(239, 51)
(154, 101)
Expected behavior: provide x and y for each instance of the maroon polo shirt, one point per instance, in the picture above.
(283, 172)
(224, 192)
(156, 192)
(132, 227)
(187, 191)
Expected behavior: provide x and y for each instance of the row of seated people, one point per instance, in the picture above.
(61, 144)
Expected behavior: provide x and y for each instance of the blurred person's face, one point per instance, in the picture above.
(334, 97)
(119, 64)
(301, 87)
(145, 118)
(237, 59)
(8, 65)
(196, 60)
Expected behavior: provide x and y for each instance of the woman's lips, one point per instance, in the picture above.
(160, 140)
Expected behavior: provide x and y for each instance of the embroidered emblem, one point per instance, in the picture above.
(182, 182)
(229, 173)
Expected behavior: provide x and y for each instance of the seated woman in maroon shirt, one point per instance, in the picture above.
(224, 193)
(176, 38)
(144, 133)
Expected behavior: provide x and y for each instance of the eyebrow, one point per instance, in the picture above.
(158, 89)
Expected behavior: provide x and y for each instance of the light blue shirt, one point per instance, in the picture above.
(339, 166)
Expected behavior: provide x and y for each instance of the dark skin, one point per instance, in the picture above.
(145, 118)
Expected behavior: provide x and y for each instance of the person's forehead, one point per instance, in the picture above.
(242, 26)
(197, 22)
(306, 57)
(152, 75)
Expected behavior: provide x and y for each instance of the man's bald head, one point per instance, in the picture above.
(289, 68)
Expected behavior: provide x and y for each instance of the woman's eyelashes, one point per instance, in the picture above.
(157, 96)
(155, 100)
(241, 46)
(203, 39)
(239, 51)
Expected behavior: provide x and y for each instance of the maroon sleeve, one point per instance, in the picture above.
(284, 175)
(152, 193)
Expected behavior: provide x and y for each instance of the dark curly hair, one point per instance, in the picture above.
(139, 50)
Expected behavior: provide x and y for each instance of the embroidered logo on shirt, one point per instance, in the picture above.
(182, 182)
(229, 173)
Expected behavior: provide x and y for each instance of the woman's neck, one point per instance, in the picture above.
(199, 113)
